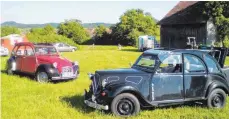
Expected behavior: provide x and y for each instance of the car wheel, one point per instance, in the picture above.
(9, 71)
(42, 77)
(73, 50)
(216, 99)
(125, 104)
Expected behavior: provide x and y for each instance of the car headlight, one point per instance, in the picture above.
(104, 82)
(90, 75)
(76, 63)
(54, 64)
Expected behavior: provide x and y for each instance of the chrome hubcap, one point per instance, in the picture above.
(42, 77)
(217, 101)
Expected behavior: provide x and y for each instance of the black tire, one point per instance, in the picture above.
(73, 50)
(9, 71)
(42, 77)
(125, 104)
(216, 99)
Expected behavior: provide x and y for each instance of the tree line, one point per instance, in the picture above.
(131, 25)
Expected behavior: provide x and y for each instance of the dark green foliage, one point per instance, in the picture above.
(133, 23)
(219, 11)
(7, 30)
(102, 37)
(73, 30)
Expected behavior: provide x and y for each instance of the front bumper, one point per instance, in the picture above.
(90, 101)
(63, 78)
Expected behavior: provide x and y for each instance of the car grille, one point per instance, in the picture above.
(95, 83)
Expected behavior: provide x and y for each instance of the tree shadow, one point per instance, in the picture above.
(131, 50)
(77, 102)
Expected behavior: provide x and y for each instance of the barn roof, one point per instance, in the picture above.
(179, 7)
(177, 10)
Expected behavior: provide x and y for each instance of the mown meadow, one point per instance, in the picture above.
(24, 98)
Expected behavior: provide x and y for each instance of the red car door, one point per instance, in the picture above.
(29, 60)
(19, 57)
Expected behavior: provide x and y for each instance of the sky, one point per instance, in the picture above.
(88, 12)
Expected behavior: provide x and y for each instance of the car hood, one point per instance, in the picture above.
(121, 71)
(51, 59)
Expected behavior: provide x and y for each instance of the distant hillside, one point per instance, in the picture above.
(21, 25)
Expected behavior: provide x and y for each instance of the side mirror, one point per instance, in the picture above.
(12, 53)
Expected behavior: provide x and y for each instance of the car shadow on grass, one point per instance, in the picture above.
(77, 102)
(21, 75)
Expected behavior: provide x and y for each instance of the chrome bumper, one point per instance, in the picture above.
(64, 78)
(88, 101)
(95, 105)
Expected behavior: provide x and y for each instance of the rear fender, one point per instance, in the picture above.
(215, 85)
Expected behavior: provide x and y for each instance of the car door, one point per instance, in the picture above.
(29, 60)
(167, 82)
(20, 54)
(60, 47)
(195, 77)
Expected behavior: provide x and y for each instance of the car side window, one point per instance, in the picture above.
(171, 64)
(193, 64)
(29, 51)
(21, 50)
(211, 64)
(60, 45)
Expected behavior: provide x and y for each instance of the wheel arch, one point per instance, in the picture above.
(129, 89)
(45, 67)
(216, 85)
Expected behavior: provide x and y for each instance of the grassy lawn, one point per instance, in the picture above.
(23, 98)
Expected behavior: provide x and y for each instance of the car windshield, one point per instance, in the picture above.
(146, 61)
(46, 51)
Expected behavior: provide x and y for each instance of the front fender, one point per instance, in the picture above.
(49, 69)
(116, 90)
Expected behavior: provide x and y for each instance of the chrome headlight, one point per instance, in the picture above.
(90, 75)
(76, 63)
(104, 82)
(54, 64)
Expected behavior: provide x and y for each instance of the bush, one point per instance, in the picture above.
(7, 30)
(52, 38)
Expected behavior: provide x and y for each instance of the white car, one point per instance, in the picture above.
(4, 51)
(62, 47)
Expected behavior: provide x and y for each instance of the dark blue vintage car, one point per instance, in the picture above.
(161, 78)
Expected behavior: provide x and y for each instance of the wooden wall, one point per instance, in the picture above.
(175, 36)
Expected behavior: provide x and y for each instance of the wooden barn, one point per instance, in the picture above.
(185, 20)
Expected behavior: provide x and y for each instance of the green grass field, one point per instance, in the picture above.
(23, 98)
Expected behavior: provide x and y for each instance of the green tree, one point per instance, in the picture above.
(219, 12)
(48, 29)
(133, 23)
(7, 30)
(100, 30)
(102, 37)
(73, 30)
